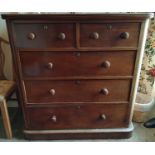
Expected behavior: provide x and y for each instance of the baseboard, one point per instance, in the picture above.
(114, 133)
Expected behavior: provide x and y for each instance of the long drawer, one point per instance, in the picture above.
(78, 117)
(77, 91)
(63, 64)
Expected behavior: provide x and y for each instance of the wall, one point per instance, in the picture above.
(7, 50)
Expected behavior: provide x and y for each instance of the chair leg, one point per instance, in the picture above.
(6, 120)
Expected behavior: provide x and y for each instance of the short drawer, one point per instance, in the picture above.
(35, 35)
(74, 91)
(109, 35)
(63, 64)
(78, 117)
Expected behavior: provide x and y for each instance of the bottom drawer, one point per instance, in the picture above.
(78, 117)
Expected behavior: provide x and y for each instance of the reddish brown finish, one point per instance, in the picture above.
(78, 117)
(80, 135)
(46, 35)
(43, 48)
(77, 91)
(36, 64)
(109, 35)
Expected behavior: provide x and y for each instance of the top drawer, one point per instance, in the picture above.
(109, 35)
(28, 35)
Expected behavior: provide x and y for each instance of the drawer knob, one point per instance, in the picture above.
(94, 35)
(104, 91)
(109, 27)
(54, 118)
(78, 82)
(50, 65)
(62, 36)
(124, 35)
(31, 36)
(106, 64)
(103, 116)
(45, 27)
(77, 54)
(52, 92)
(78, 107)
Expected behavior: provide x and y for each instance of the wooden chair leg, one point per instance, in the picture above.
(6, 120)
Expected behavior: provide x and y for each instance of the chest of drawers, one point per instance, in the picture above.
(77, 73)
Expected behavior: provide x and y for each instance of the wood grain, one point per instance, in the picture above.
(66, 64)
(78, 117)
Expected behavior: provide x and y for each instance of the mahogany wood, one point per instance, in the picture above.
(69, 80)
(106, 37)
(65, 64)
(78, 117)
(77, 91)
(55, 35)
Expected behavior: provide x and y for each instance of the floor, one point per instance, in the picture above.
(140, 134)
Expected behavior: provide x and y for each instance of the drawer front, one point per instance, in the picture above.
(44, 35)
(77, 91)
(109, 35)
(63, 64)
(78, 117)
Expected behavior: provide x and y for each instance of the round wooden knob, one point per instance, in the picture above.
(77, 82)
(124, 35)
(106, 64)
(52, 92)
(78, 107)
(103, 116)
(31, 36)
(104, 91)
(50, 65)
(62, 36)
(94, 35)
(54, 118)
(77, 54)
(109, 27)
(45, 27)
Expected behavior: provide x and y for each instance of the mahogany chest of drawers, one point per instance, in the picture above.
(77, 73)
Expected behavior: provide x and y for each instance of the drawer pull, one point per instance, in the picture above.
(124, 35)
(103, 116)
(50, 65)
(77, 54)
(94, 35)
(78, 107)
(45, 27)
(78, 82)
(52, 92)
(104, 91)
(54, 118)
(31, 36)
(62, 36)
(106, 64)
(109, 27)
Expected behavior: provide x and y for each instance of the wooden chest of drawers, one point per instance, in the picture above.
(77, 73)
